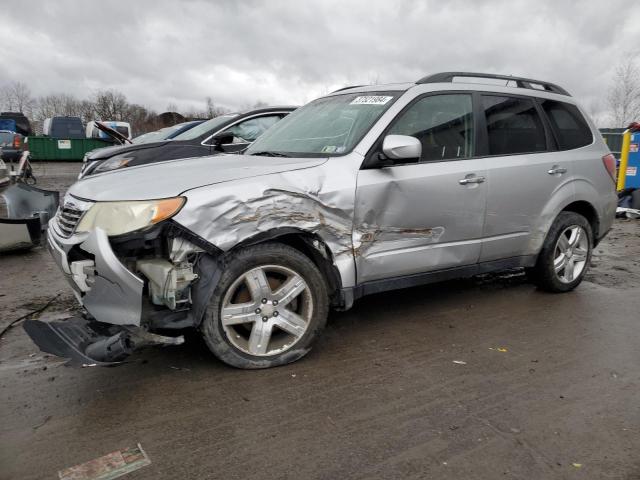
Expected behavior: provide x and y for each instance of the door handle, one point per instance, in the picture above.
(557, 170)
(467, 181)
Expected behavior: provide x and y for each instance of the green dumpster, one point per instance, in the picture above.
(56, 149)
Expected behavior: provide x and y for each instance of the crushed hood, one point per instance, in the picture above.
(171, 178)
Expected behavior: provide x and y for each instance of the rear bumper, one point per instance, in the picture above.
(104, 286)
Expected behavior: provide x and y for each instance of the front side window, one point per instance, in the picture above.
(249, 130)
(568, 124)
(329, 126)
(513, 125)
(442, 123)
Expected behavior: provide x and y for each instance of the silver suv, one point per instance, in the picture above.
(365, 190)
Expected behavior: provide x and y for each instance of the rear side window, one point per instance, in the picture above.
(569, 126)
(513, 125)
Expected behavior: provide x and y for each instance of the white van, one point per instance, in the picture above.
(122, 127)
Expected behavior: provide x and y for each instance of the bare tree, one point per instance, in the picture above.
(16, 97)
(624, 94)
(595, 111)
(374, 79)
(141, 119)
(110, 105)
(214, 111)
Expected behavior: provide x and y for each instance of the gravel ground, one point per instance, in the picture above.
(482, 378)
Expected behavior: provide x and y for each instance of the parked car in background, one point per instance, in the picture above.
(365, 190)
(166, 133)
(227, 133)
(11, 145)
(4, 177)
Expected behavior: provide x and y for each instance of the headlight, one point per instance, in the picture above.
(116, 218)
(112, 164)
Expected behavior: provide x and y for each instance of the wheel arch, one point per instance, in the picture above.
(588, 211)
(312, 246)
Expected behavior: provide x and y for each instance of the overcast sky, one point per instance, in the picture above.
(289, 52)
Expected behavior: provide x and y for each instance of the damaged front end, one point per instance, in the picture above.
(128, 284)
(147, 264)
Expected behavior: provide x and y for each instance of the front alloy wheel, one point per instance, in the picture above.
(267, 309)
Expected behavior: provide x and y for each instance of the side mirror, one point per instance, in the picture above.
(401, 147)
(222, 138)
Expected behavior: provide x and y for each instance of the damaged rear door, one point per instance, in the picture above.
(427, 214)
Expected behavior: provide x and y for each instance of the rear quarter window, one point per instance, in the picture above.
(569, 126)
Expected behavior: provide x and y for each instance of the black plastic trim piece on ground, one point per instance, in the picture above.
(78, 340)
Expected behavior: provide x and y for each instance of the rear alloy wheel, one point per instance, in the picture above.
(565, 254)
(268, 308)
(572, 249)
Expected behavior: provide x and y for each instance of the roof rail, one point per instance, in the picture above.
(447, 77)
(347, 88)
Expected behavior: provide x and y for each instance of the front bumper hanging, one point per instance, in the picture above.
(87, 342)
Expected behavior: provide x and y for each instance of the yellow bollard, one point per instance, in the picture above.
(624, 159)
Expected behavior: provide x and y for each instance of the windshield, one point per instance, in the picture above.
(205, 127)
(329, 126)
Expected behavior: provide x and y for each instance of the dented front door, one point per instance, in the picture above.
(418, 218)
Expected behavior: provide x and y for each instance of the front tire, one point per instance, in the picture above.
(565, 254)
(268, 308)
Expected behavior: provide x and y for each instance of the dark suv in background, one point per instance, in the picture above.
(227, 133)
(11, 145)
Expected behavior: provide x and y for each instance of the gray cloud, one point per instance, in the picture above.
(289, 52)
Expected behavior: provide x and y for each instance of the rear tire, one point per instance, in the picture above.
(565, 254)
(268, 308)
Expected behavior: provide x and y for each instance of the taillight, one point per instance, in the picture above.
(16, 142)
(610, 165)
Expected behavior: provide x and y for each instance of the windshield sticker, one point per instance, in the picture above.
(329, 149)
(371, 100)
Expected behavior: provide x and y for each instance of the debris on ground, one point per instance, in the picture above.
(27, 315)
(629, 203)
(110, 466)
(46, 419)
(499, 349)
(459, 362)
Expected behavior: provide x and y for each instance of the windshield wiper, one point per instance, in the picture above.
(270, 154)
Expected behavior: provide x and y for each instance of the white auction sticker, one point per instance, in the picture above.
(371, 100)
